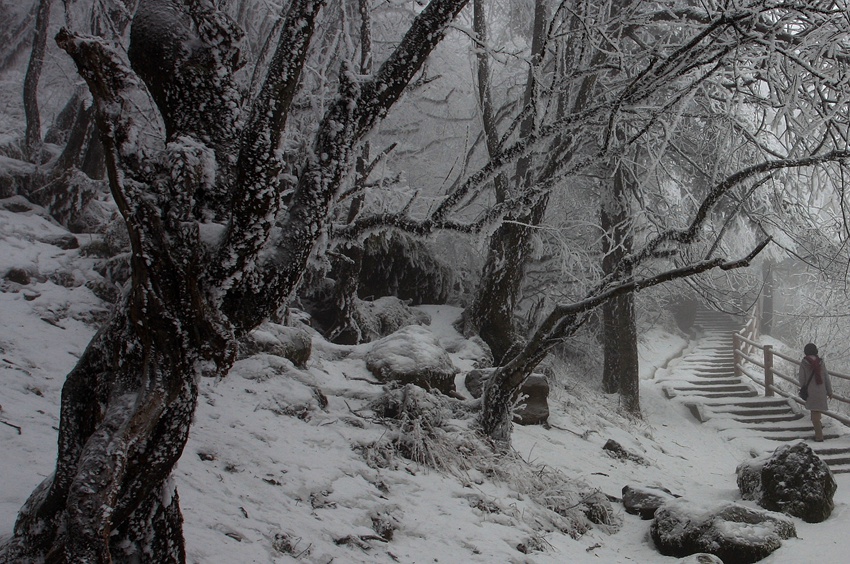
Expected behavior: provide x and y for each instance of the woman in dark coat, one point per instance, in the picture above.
(813, 374)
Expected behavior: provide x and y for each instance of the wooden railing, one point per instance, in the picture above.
(745, 348)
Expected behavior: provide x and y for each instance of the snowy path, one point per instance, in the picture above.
(704, 380)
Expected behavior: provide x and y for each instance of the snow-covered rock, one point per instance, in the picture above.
(533, 407)
(412, 355)
(645, 501)
(793, 480)
(730, 531)
(292, 343)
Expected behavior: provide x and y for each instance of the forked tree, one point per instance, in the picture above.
(213, 255)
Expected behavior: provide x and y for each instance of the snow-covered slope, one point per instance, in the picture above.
(289, 464)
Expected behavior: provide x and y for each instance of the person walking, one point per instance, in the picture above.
(814, 378)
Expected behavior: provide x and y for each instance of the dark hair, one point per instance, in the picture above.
(810, 350)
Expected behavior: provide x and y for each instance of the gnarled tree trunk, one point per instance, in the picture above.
(127, 406)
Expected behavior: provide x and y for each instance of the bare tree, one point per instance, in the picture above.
(128, 404)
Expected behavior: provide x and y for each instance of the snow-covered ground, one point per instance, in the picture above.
(287, 464)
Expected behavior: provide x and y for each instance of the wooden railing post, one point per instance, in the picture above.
(736, 353)
(768, 370)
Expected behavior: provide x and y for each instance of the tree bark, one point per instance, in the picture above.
(499, 292)
(619, 329)
(350, 262)
(32, 138)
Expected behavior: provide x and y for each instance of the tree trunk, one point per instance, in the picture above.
(350, 263)
(499, 292)
(32, 138)
(500, 288)
(619, 344)
(767, 306)
(125, 417)
(619, 332)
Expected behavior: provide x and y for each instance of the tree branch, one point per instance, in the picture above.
(256, 194)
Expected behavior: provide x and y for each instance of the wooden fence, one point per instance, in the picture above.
(747, 349)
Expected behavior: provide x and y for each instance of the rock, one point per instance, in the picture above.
(18, 276)
(793, 480)
(616, 450)
(104, 290)
(475, 379)
(535, 387)
(65, 279)
(291, 343)
(749, 478)
(412, 355)
(116, 269)
(730, 531)
(65, 241)
(645, 501)
(385, 316)
(534, 409)
(14, 176)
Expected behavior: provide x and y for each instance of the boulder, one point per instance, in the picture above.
(65, 241)
(18, 276)
(475, 379)
(645, 501)
(793, 480)
(730, 531)
(618, 451)
(534, 407)
(749, 478)
(291, 343)
(397, 264)
(533, 410)
(412, 355)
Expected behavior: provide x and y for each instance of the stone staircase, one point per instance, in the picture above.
(704, 380)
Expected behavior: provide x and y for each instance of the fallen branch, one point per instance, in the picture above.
(10, 425)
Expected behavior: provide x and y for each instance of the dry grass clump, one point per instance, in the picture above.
(436, 431)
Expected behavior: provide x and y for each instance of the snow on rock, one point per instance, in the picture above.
(793, 480)
(645, 501)
(412, 355)
(731, 531)
(292, 343)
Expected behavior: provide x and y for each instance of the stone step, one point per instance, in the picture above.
(757, 411)
(781, 429)
(803, 436)
(836, 461)
(761, 402)
(709, 387)
(710, 395)
(768, 419)
(715, 381)
(827, 451)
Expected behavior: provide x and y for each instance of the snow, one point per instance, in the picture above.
(275, 468)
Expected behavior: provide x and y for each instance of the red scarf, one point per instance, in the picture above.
(814, 362)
